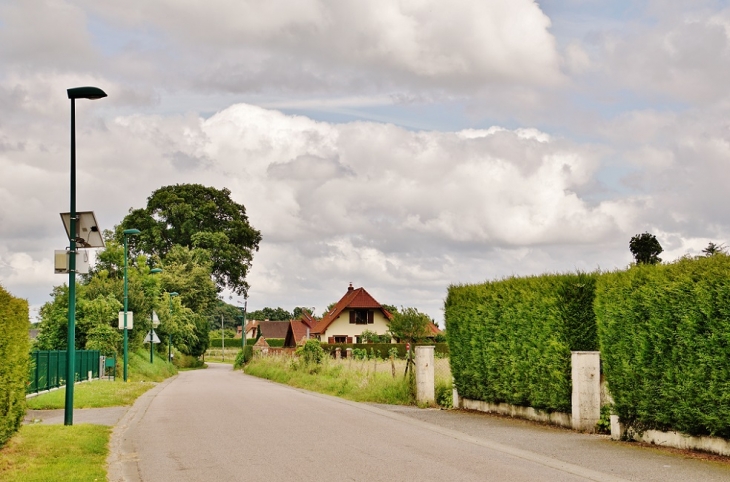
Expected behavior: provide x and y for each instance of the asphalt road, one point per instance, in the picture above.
(221, 425)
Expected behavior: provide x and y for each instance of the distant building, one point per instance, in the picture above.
(356, 312)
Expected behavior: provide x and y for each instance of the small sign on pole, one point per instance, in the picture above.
(151, 335)
(130, 320)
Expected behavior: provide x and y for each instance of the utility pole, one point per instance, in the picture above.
(223, 341)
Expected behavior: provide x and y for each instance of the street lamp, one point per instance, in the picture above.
(127, 233)
(152, 319)
(169, 334)
(68, 417)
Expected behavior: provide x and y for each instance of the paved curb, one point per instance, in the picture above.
(122, 459)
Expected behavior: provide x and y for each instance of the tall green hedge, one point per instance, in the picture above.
(236, 342)
(14, 362)
(510, 340)
(665, 344)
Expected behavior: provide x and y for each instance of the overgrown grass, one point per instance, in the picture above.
(96, 394)
(219, 355)
(360, 381)
(40, 453)
(140, 368)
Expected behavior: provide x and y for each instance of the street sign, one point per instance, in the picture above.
(151, 334)
(155, 319)
(130, 320)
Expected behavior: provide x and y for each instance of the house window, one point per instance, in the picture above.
(361, 317)
(340, 339)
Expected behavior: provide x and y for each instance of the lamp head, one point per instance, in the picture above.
(86, 93)
(131, 232)
(173, 294)
(156, 270)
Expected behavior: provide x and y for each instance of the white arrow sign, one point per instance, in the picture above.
(153, 335)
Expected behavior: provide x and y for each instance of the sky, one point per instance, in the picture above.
(399, 145)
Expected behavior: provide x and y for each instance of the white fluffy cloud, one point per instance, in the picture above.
(603, 130)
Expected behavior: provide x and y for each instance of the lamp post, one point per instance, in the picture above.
(127, 233)
(68, 417)
(169, 335)
(152, 318)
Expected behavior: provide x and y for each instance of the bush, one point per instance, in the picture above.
(243, 356)
(311, 353)
(665, 344)
(510, 340)
(15, 365)
(444, 394)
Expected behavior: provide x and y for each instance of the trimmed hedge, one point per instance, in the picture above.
(236, 342)
(665, 344)
(510, 340)
(382, 349)
(14, 362)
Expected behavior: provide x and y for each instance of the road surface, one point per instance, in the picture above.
(221, 425)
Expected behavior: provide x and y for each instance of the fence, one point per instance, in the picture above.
(49, 368)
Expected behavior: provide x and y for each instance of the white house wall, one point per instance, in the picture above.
(342, 326)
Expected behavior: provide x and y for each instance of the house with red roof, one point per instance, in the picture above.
(356, 312)
(300, 330)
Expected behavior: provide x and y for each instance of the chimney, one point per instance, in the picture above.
(350, 288)
(307, 333)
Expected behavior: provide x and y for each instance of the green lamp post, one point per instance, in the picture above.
(68, 417)
(169, 335)
(127, 233)
(152, 319)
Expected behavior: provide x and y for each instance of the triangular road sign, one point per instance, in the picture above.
(153, 335)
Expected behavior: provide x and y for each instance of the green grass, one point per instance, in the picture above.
(40, 453)
(140, 369)
(96, 394)
(360, 381)
(105, 393)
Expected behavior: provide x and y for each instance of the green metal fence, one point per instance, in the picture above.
(49, 368)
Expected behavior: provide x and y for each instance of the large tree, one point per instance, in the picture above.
(646, 249)
(196, 216)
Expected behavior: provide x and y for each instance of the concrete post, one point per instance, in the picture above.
(338, 353)
(348, 353)
(618, 430)
(454, 396)
(425, 390)
(586, 399)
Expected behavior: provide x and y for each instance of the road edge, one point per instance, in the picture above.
(122, 459)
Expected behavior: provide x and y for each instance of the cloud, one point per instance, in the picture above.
(318, 45)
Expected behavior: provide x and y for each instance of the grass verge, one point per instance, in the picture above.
(96, 394)
(56, 452)
(357, 381)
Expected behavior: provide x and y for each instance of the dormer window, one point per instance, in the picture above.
(361, 317)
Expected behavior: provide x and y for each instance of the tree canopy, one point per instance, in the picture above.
(409, 325)
(196, 216)
(273, 314)
(645, 248)
(712, 249)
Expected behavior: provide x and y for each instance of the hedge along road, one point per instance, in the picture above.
(221, 425)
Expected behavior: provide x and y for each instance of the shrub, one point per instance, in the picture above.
(510, 340)
(311, 353)
(664, 332)
(15, 365)
(444, 394)
(243, 356)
